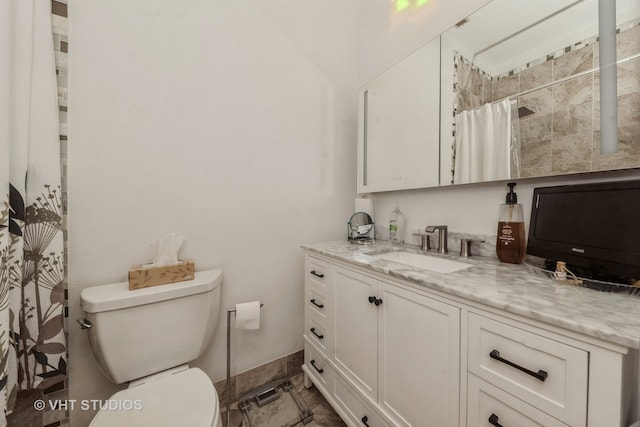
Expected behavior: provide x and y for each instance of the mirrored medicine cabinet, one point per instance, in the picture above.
(512, 91)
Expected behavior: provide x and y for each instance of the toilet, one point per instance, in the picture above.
(146, 337)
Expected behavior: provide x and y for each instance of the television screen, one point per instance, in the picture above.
(593, 227)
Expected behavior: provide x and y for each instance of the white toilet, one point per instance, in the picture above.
(146, 337)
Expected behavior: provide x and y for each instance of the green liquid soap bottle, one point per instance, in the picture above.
(396, 225)
(511, 243)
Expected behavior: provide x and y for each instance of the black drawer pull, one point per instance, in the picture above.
(320, 275)
(376, 301)
(313, 301)
(313, 363)
(540, 375)
(364, 420)
(313, 331)
(493, 420)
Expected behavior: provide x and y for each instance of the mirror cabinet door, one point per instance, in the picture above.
(398, 126)
(539, 56)
(552, 60)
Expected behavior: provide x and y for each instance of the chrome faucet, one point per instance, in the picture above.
(442, 236)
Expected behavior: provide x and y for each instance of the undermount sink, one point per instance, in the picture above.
(439, 265)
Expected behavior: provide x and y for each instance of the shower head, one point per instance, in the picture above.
(524, 112)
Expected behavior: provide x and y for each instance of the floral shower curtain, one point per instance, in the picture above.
(32, 340)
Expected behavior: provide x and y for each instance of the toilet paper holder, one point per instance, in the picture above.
(230, 311)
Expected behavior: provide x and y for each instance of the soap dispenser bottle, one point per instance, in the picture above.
(511, 241)
(396, 225)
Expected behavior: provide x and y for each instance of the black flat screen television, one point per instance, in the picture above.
(594, 228)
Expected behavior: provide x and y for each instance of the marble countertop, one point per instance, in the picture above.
(513, 288)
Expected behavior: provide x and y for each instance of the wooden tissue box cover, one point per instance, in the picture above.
(140, 277)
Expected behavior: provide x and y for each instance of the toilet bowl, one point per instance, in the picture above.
(185, 398)
(146, 337)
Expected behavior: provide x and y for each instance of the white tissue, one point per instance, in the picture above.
(166, 250)
(248, 315)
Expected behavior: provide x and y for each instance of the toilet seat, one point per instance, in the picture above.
(184, 398)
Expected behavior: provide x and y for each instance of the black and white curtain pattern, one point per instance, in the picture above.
(32, 340)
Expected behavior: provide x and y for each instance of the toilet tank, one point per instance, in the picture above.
(145, 331)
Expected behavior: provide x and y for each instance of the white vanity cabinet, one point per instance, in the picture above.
(394, 353)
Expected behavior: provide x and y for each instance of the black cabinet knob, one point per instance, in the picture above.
(374, 300)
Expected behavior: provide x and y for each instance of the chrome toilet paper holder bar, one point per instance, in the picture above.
(228, 415)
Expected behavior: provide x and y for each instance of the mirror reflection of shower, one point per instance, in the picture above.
(546, 58)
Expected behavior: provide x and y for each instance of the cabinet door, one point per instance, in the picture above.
(398, 131)
(356, 336)
(419, 358)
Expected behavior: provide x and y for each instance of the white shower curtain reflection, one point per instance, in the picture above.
(486, 147)
(32, 340)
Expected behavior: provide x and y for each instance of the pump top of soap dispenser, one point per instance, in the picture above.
(512, 197)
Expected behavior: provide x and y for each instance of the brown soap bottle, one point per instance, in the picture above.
(511, 243)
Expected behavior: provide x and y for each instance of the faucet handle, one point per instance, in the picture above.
(425, 242)
(465, 246)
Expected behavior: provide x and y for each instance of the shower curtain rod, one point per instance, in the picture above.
(522, 30)
(562, 80)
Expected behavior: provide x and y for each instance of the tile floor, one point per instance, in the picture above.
(323, 413)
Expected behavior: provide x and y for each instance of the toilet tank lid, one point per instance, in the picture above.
(117, 296)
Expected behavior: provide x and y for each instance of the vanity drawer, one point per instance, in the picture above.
(488, 406)
(546, 373)
(318, 302)
(317, 272)
(359, 413)
(318, 368)
(318, 333)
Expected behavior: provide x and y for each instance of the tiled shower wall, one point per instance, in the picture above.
(563, 133)
(24, 414)
(61, 50)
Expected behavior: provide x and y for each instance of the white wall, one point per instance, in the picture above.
(471, 208)
(386, 37)
(230, 123)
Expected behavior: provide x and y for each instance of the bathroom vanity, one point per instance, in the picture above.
(488, 344)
